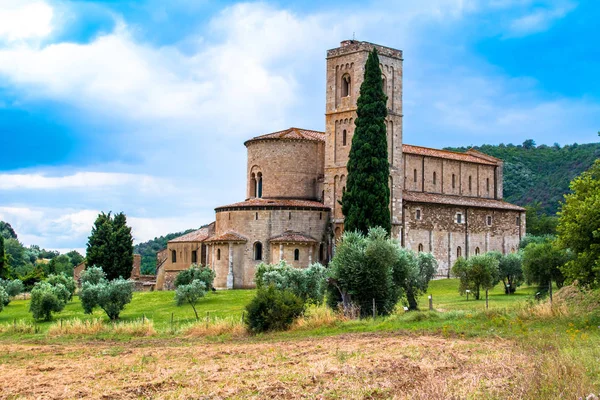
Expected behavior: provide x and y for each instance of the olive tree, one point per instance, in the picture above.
(307, 283)
(47, 299)
(110, 296)
(190, 293)
(12, 288)
(476, 274)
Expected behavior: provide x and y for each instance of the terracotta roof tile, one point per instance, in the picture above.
(275, 203)
(420, 197)
(470, 156)
(291, 134)
(292, 237)
(196, 236)
(230, 236)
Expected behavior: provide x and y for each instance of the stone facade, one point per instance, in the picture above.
(446, 203)
(142, 282)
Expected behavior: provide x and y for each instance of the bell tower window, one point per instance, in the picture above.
(344, 137)
(346, 85)
(259, 186)
(253, 185)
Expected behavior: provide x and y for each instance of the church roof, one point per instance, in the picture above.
(462, 201)
(229, 236)
(470, 156)
(292, 237)
(196, 236)
(291, 134)
(274, 203)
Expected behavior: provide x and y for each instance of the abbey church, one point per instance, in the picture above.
(443, 202)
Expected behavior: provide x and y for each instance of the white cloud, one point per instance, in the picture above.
(539, 20)
(77, 180)
(21, 20)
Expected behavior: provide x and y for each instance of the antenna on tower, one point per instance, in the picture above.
(353, 36)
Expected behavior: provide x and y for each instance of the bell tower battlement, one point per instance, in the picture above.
(345, 73)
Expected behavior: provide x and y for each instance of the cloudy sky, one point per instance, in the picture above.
(143, 106)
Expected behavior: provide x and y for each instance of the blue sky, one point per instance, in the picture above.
(143, 106)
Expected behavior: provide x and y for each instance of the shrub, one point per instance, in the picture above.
(542, 263)
(190, 294)
(111, 296)
(476, 274)
(307, 283)
(12, 288)
(67, 281)
(196, 272)
(418, 271)
(46, 299)
(510, 268)
(3, 298)
(272, 309)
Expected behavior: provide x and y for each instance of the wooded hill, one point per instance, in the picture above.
(540, 173)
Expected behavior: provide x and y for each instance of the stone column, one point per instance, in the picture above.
(280, 251)
(230, 274)
(310, 250)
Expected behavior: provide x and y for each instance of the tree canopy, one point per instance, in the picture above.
(366, 201)
(579, 227)
(110, 246)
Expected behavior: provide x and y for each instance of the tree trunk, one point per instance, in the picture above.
(412, 302)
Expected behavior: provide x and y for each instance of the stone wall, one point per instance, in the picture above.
(289, 168)
(439, 232)
(260, 225)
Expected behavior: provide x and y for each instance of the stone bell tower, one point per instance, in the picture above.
(345, 72)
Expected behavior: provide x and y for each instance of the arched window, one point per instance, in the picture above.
(253, 185)
(487, 184)
(346, 85)
(470, 183)
(259, 185)
(173, 256)
(518, 221)
(321, 252)
(290, 215)
(489, 220)
(453, 181)
(320, 215)
(344, 137)
(458, 252)
(477, 251)
(459, 219)
(256, 216)
(194, 256)
(218, 254)
(384, 84)
(434, 178)
(418, 214)
(343, 189)
(258, 251)
(420, 247)
(415, 175)
(296, 255)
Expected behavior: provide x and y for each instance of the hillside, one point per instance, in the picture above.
(540, 173)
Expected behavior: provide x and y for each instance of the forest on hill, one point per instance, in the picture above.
(539, 174)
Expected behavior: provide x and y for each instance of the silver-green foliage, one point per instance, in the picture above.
(477, 273)
(47, 299)
(308, 284)
(3, 298)
(196, 272)
(110, 296)
(67, 281)
(12, 288)
(190, 293)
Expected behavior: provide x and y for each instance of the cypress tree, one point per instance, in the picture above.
(2, 258)
(366, 200)
(122, 245)
(110, 246)
(99, 251)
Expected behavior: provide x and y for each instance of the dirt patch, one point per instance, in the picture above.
(347, 366)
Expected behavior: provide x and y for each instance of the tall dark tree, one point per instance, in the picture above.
(122, 244)
(366, 201)
(110, 246)
(7, 231)
(3, 264)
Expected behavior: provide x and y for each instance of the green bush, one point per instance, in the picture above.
(12, 288)
(46, 299)
(111, 296)
(3, 298)
(272, 310)
(67, 281)
(196, 272)
(477, 273)
(307, 283)
(190, 294)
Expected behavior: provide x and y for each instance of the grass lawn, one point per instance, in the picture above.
(157, 306)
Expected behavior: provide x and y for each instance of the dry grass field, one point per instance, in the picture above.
(368, 365)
